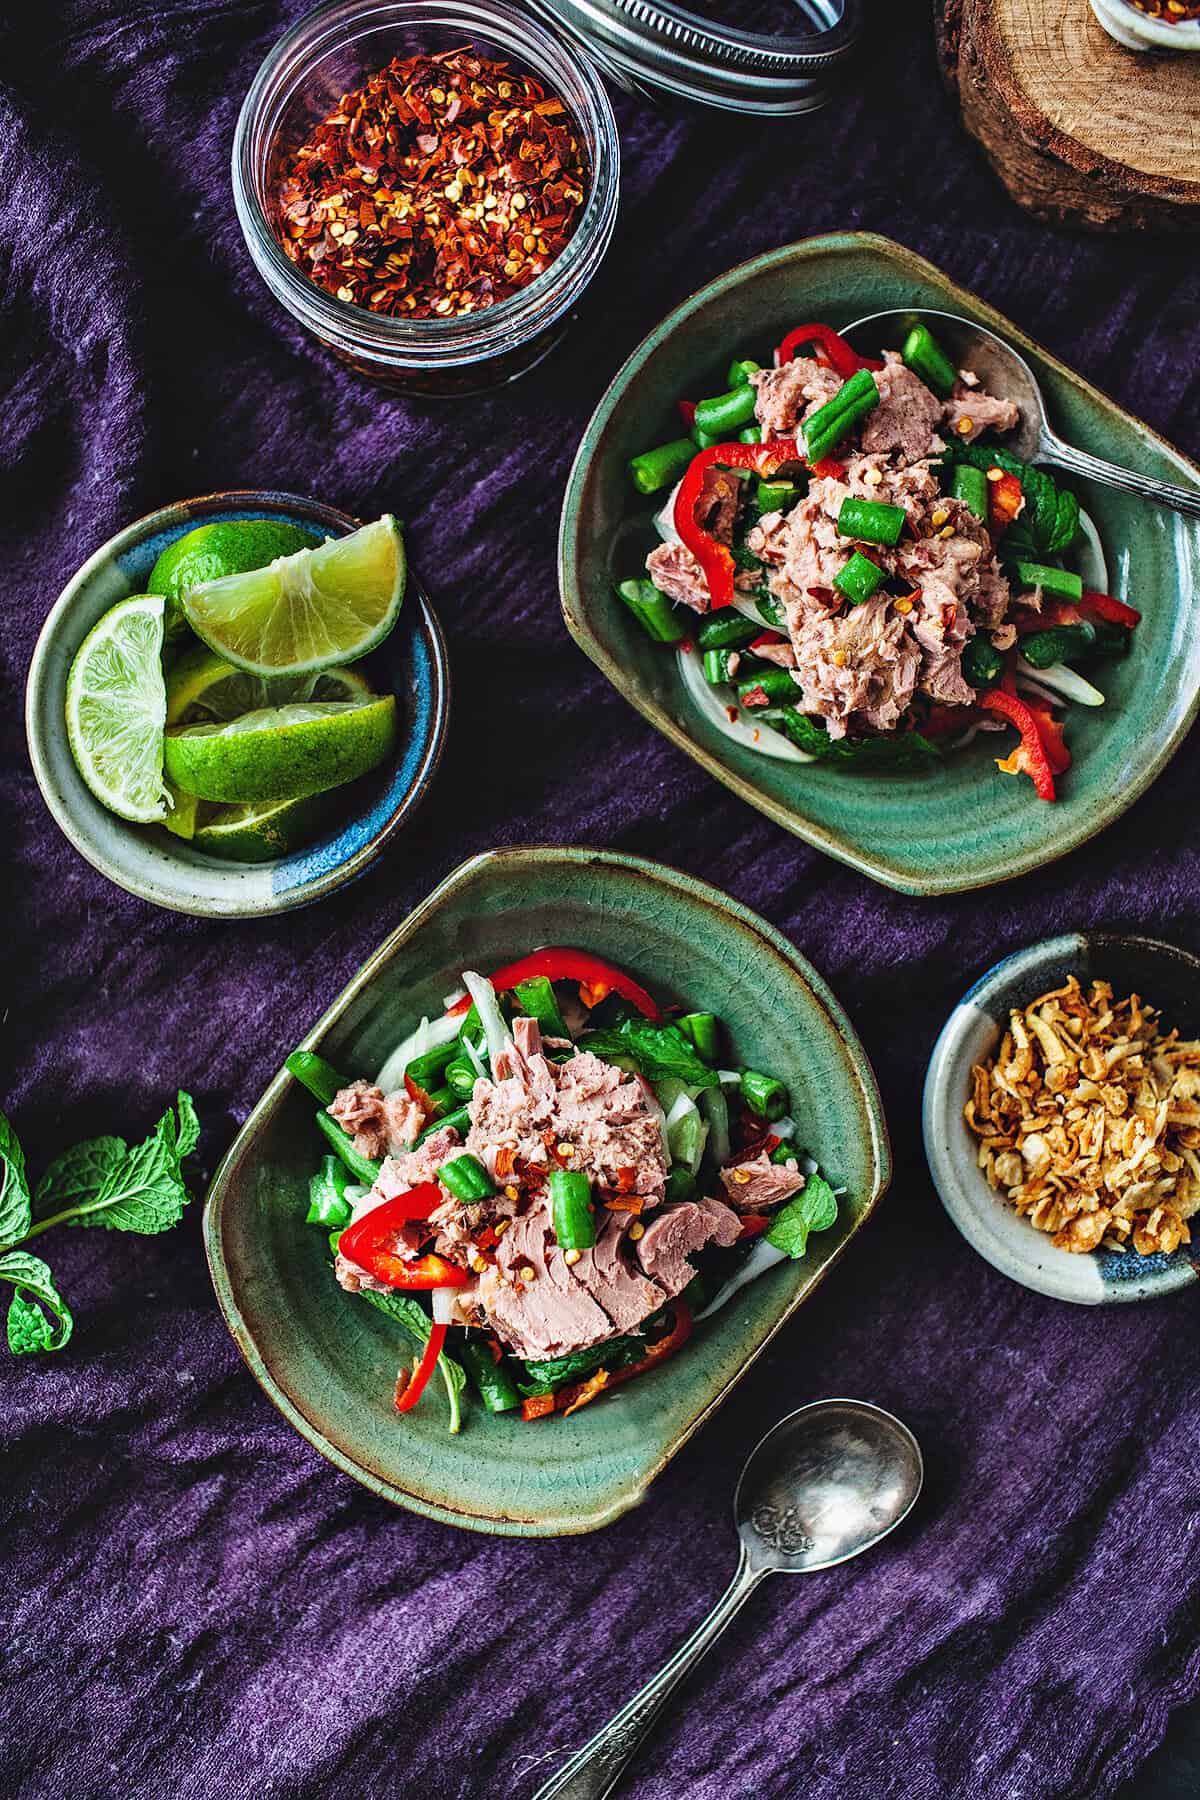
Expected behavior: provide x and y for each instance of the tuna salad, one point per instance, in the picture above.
(866, 581)
(561, 1173)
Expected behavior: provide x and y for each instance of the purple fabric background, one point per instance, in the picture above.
(199, 1605)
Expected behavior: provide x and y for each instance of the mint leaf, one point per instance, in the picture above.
(814, 1208)
(101, 1182)
(29, 1328)
(15, 1212)
(659, 1051)
(79, 1173)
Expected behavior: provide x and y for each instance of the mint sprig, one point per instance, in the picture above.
(98, 1182)
(814, 1208)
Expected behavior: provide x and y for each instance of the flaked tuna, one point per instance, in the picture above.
(969, 411)
(759, 1184)
(378, 1123)
(680, 1232)
(674, 569)
(907, 417)
(788, 394)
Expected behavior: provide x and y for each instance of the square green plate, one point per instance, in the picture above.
(329, 1362)
(962, 825)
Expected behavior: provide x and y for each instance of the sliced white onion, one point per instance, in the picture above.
(1058, 681)
(428, 1035)
(685, 1107)
(449, 1000)
(762, 738)
(445, 1307)
(1089, 556)
(498, 1036)
(664, 519)
(474, 1057)
(785, 1127)
(764, 1256)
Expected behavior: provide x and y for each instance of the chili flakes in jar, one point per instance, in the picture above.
(444, 184)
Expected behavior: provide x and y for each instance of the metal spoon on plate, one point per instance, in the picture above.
(1002, 371)
(825, 1484)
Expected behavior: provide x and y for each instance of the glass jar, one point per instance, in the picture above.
(334, 50)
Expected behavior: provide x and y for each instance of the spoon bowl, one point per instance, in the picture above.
(825, 1484)
(1005, 373)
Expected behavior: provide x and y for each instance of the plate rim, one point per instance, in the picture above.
(823, 838)
(462, 876)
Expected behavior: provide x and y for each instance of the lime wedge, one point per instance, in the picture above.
(281, 752)
(184, 814)
(203, 688)
(264, 830)
(116, 709)
(306, 612)
(226, 547)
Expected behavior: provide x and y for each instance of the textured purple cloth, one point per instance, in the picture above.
(198, 1605)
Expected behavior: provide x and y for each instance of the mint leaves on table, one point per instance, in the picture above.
(814, 1208)
(99, 1182)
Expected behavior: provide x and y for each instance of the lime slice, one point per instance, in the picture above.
(306, 612)
(184, 813)
(282, 752)
(203, 688)
(226, 547)
(116, 709)
(264, 830)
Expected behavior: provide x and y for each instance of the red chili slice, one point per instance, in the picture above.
(558, 964)
(419, 1381)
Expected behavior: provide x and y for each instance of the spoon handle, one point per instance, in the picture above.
(1078, 462)
(595, 1770)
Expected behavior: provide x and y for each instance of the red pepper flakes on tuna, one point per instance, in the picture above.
(441, 186)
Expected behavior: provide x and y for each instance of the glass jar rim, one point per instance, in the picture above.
(470, 335)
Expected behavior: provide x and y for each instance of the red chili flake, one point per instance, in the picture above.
(441, 186)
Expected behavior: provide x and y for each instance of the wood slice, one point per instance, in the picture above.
(1080, 131)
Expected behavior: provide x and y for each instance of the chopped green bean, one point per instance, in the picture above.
(571, 1205)
(727, 412)
(497, 1389)
(466, 1178)
(858, 579)
(358, 1164)
(461, 1076)
(1058, 643)
(656, 469)
(717, 669)
(653, 611)
(726, 630)
(313, 1072)
(926, 358)
(428, 1068)
(740, 371)
(536, 998)
(327, 1202)
(1063, 583)
(460, 1119)
(776, 496)
(764, 1095)
(769, 686)
(704, 1031)
(681, 1183)
(871, 521)
(838, 417)
(969, 485)
(751, 435)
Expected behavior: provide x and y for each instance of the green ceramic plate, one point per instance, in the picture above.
(329, 1362)
(963, 825)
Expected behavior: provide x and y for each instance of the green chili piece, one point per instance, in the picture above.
(570, 1203)
(461, 1076)
(661, 468)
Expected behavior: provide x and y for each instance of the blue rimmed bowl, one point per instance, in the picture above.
(1165, 977)
(148, 861)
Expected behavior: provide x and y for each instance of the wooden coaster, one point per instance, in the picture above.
(1080, 131)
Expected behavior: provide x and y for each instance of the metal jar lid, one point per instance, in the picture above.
(654, 48)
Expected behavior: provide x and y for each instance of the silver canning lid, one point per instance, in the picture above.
(654, 48)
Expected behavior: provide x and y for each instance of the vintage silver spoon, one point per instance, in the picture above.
(824, 1484)
(1005, 373)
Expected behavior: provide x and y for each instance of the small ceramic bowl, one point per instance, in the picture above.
(329, 1363)
(1138, 31)
(1165, 977)
(148, 861)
